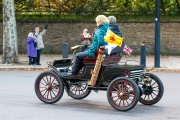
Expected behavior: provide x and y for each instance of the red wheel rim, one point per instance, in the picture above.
(122, 94)
(78, 90)
(48, 87)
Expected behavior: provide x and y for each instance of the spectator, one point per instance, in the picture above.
(85, 38)
(31, 49)
(40, 45)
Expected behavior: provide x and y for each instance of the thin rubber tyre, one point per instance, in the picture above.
(123, 94)
(48, 87)
(153, 93)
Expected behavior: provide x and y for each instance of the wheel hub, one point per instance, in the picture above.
(48, 87)
(123, 94)
(147, 90)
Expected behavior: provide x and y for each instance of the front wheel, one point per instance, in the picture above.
(152, 93)
(48, 87)
(123, 94)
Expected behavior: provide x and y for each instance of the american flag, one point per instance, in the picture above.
(127, 50)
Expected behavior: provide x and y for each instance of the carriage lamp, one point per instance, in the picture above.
(147, 80)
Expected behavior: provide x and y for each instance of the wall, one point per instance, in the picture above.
(68, 32)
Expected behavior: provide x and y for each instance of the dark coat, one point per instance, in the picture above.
(115, 28)
(31, 49)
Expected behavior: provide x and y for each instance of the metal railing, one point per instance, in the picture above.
(60, 12)
(84, 12)
(88, 13)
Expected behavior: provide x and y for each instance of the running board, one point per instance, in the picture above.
(97, 88)
(77, 83)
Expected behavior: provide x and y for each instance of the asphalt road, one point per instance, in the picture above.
(19, 102)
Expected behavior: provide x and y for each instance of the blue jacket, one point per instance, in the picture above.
(98, 40)
(31, 49)
(115, 28)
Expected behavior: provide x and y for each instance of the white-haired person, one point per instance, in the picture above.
(40, 45)
(31, 49)
(98, 40)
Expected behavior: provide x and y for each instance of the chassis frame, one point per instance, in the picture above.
(125, 84)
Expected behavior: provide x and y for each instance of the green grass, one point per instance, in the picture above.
(121, 18)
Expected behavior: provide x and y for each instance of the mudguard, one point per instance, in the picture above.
(62, 62)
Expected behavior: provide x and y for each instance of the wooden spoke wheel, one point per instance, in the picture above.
(48, 87)
(79, 91)
(153, 93)
(123, 94)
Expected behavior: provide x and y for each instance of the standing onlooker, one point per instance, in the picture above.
(85, 38)
(39, 37)
(31, 48)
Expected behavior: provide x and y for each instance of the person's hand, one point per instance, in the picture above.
(46, 26)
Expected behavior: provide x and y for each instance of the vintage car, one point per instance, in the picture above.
(125, 84)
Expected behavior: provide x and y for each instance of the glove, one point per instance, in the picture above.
(85, 45)
(46, 26)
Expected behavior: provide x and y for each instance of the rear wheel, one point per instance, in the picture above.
(153, 93)
(123, 94)
(79, 91)
(48, 87)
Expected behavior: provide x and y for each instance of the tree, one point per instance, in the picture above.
(0, 7)
(95, 6)
(10, 48)
(177, 3)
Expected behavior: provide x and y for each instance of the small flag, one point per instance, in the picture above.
(127, 50)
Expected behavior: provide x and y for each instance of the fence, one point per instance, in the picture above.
(60, 12)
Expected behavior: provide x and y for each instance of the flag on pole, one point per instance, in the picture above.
(112, 42)
(127, 50)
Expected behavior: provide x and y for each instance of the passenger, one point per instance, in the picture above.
(113, 26)
(116, 29)
(85, 38)
(98, 40)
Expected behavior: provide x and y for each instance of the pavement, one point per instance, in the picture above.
(167, 63)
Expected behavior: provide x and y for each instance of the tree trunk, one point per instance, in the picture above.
(162, 6)
(177, 4)
(10, 48)
(49, 6)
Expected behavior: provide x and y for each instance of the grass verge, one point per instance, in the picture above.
(90, 18)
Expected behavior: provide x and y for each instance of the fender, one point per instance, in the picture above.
(67, 87)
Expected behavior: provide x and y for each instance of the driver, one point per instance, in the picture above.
(98, 40)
